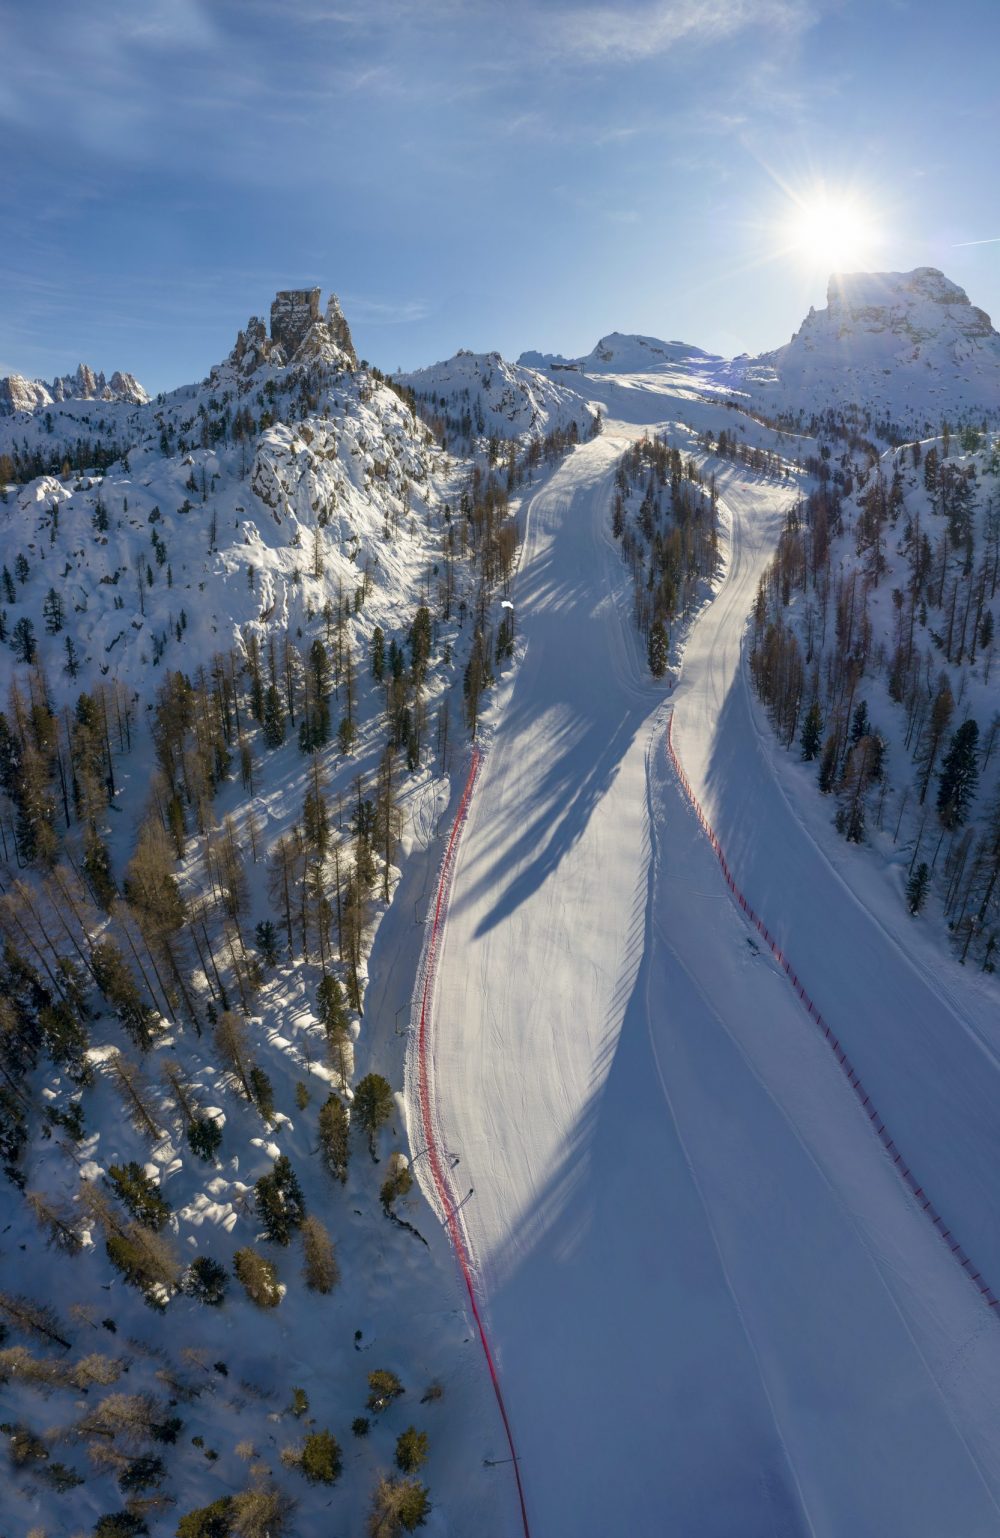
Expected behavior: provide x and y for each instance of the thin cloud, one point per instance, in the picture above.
(382, 312)
(600, 34)
(991, 240)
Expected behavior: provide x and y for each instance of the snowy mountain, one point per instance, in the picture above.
(238, 627)
(622, 353)
(481, 394)
(904, 344)
(259, 491)
(26, 396)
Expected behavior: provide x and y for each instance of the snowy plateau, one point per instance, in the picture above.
(500, 908)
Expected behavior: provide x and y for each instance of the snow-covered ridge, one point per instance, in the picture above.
(18, 394)
(621, 353)
(485, 394)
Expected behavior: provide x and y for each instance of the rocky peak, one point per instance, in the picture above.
(915, 306)
(20, 394)
(293, 312)
(299, 333)
(908, 344)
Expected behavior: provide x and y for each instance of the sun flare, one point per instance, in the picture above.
(832, 231)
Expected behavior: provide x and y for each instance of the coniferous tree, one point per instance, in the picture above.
(372, 1106)
(812, 732)
(22, 640)
(333, 1136)
(266, 940)
(274, 718)
(206, 1281)
(657, 650)
(828, 765)
(930, 743)
(319, 1259)
(140, 1193)
(411, 1450)
(398, 1506)
(959, 776)
(321, 1460)
(53, 612)
(279, 1201)
(258, 1277)
(378, 654)
(916, 887)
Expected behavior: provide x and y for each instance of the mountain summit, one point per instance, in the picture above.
(907, 343)
(20, 394)
(299, 333)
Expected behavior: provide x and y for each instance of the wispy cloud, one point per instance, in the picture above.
(384, 312)
(619, 35)
(991, 240)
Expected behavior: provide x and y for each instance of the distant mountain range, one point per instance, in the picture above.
(906, 346)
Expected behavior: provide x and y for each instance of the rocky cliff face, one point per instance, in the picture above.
(299, 333)
(916, 307)
(293, 312)
(20, 394)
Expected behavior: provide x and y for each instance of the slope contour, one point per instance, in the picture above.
(709, 1294)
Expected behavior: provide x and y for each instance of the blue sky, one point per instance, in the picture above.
(511, 175)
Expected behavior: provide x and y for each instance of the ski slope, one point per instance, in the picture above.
(714, 1307)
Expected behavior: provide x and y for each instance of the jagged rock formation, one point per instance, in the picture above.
(298, 333)
(20, 394)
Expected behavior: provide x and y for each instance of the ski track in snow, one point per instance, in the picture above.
(713, 1305)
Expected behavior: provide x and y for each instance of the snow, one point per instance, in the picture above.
(498, 397)
(907, 345)
(712, 1301)
(707, 1290)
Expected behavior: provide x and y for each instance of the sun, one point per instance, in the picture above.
(834, 231)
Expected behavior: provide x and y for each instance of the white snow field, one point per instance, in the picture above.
(715, 1308)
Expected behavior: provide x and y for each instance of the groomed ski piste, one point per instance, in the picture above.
(714, 1305)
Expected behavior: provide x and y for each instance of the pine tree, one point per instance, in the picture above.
(333, 1137)
(279, 1201)
(860, 725)
(812, 732)
(916, 887)
(933, 735)
(658, 649)
(320, 1267)
(53, 612)
(22, 640)
(140, 1193)
(378, 654)
(959, 777)
(206, 1281)
(331, 1008)
(828, 765)
(266, 940)
(258, 1276)
(398, 1505)
(321, 1460)
(274, 718)
(411, 1450)
(384, 1387)
(204, 1136)
(373, 1105)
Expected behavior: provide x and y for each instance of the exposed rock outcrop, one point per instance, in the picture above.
(299, 333)
(20, 394)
